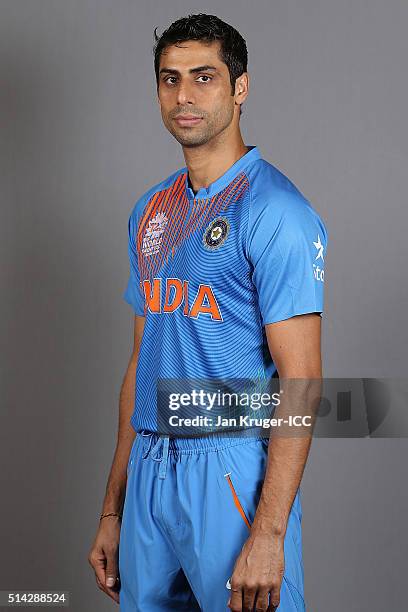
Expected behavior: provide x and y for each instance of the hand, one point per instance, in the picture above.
(258, 572)
(103, 557)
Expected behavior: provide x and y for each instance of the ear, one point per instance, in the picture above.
(241, 88)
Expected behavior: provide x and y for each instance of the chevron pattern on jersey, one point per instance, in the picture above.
(174, 204)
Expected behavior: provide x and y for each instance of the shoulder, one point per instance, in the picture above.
(145, 198)
(277, 203)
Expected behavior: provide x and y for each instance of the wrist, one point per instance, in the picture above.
(110, 515)
(269, 525)
(262, 527)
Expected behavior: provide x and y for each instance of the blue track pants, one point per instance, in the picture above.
(188, 509)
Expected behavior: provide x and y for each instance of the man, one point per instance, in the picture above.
(226, 280)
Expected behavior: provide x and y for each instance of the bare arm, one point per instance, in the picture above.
(103, 556)
(295, 348)
(116, 485)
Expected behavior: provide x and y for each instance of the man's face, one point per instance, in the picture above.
(194, 92)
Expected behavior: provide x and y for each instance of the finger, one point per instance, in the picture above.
(99, 583)
(113, 594)
(274, 599)
(98, 563)
(111, 571)
(235, 601)
(262, 601)
(249, 599)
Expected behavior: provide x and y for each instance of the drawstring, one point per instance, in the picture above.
(162, 441)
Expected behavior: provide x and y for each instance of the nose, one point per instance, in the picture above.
(184, 93)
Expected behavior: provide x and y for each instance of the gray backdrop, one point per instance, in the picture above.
(81, 140)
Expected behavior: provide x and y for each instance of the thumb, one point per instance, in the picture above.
(111, 571)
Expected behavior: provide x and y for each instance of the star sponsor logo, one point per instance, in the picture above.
(216, 233)
(318, 272)
(319, 248)
(153, 235)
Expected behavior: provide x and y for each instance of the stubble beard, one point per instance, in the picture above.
(197, 136)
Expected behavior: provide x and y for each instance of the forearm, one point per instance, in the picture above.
(287, 455)
(286, 461)
(116, 485)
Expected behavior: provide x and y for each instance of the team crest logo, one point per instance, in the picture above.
(153, 234)
(216, 233)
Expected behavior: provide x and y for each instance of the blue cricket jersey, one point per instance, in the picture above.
(210, 270)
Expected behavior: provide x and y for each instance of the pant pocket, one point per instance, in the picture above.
(243, 476)
(238, 501)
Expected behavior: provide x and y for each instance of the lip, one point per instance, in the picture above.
(187, 120)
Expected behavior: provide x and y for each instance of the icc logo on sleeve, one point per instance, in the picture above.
(216, 233)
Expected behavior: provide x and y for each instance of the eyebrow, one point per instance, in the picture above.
(191, 71)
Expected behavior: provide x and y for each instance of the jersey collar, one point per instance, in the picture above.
(224, 180)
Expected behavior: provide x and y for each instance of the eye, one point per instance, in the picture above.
(167, 79)
(204, 76)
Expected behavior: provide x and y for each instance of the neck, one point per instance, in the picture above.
(208, 162)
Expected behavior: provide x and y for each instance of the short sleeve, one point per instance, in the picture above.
(133, 294)
(286, 244)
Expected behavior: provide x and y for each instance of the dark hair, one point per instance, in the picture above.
(208, 28)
